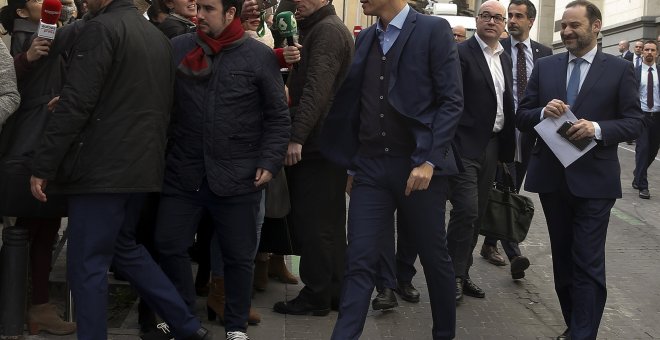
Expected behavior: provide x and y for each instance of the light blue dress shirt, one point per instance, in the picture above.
(388, 36)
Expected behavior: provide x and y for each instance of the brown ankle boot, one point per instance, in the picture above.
(215, 302)
(277, 268)
(254, 317)
(261, 272)
(44, 317)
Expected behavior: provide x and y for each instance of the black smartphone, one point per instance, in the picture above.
(580, 143)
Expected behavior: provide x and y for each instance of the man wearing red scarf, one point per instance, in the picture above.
(228, 139)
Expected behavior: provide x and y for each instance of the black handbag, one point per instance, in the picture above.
(278, 204)
(508, 215)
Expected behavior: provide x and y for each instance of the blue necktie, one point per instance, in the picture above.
(574, 82)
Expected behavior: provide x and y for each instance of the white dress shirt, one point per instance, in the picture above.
(495, 67)
(643, 88)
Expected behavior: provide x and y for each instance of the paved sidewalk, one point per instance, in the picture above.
(527, 309)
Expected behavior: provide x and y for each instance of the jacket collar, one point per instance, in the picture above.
(309, 22)
(23, 25)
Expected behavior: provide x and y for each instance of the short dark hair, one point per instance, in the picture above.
(593, 12)
(238, 4)
(652, 42)
(531, 9)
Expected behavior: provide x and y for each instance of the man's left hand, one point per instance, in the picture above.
(419, 178)
(37, 186)
(581, 129)
(293, 154)
(262, 177)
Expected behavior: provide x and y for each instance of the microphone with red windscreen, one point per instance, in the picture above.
(50, 12)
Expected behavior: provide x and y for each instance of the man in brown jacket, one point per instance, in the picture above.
(316, 186)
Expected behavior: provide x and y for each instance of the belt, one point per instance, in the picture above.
(652, 114)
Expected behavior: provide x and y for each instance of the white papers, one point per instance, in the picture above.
(566, 152)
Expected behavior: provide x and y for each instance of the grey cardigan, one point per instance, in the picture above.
(9, 97)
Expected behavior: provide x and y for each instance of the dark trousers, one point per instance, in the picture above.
(646, 149)
(43, 232)
(469, 192)
(378, 190)
(527, 141)
(234, 220)
(577, 228)
(318, 217)
(101, 232)
(399, 267)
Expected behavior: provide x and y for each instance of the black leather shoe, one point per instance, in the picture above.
(634, 185)
(201, 334)
(644, 193)
(565, 336)
(407, 291)
(518, 266)
(299, 306)
(459, 289)
(384, 300)
(492, 255)
(471, 289)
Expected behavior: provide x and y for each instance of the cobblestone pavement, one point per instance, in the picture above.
(527, 309)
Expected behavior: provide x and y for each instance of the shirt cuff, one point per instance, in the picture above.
(598, 135)
(542, 110)
(350, 172)
(431, 164)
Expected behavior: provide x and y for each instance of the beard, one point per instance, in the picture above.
(582, 41)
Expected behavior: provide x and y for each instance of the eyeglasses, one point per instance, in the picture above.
(485, 17)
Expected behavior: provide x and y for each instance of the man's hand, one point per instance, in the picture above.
(292, 53)
(262, 177)
(581, 129)
(39, 48)
(419, 179)
(293, 154)
(555, 109)
(250, 9)
(349, 184)
(53, 102)
(37, 186)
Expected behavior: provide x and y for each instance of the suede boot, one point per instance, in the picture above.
(277, 268)
(215, 303)
(44, 317)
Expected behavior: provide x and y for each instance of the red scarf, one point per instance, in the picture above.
(197, 62)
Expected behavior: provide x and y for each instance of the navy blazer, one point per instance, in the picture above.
(480, 107)
(538, 50)
(425, 85)
(608, 96)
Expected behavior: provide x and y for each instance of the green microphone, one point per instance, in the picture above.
(286, 24)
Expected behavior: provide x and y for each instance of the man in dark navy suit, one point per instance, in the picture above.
(485, 135)
(600, 90)
(392, 123)
(524, 52)
(649, 96)
(624, 50)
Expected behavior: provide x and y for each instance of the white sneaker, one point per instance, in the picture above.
(237, 335)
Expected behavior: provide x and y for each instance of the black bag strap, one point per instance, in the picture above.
(508, 183)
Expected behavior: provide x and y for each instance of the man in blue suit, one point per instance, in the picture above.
(601, 91)
(392, 123)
